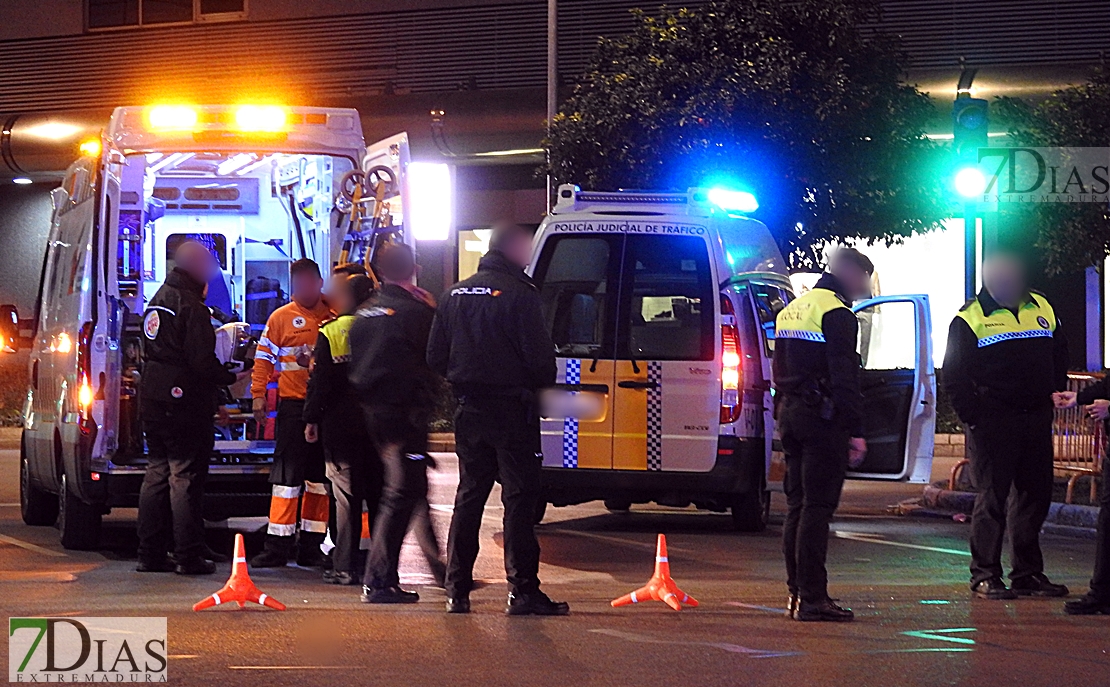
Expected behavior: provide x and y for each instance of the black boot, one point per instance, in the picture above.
(276, 554)
(309, 554)
(535, 603)
(825, 611)
(1088, 604)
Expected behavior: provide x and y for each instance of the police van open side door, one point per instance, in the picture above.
(899, 388)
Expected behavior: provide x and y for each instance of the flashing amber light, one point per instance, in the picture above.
(260, 118)
(84, 393)
(90, 148)
(63, 344)
(172, 117)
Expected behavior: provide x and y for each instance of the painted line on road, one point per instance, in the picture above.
(31, 547)
(650, 546)
(878, 539)
(8, 505)
(776, 611)
(723, 646)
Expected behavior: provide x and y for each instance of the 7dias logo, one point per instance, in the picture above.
(87, 650)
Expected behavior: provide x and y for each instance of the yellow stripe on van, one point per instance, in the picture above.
(630, 419)
(595, 439)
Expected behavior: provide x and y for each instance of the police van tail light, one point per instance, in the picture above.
(85, 393)
(730, 363)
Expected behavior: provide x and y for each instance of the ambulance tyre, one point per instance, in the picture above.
(751, 510)
(37, 507)
(541, 510)
(78, 522)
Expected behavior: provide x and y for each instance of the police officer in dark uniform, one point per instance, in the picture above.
(1006, 362)
(490, 341)
(178, 394)
(819, 410)
(389, 369)
(331, 409)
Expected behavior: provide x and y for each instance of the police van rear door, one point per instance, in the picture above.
(899, 388)
(579, 280)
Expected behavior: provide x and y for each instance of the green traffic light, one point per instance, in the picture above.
(970, 182)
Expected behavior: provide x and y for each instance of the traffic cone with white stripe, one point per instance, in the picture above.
(660, 587)
(239, 587)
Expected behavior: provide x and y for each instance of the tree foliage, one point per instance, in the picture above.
(1068, 236)
(796, 100)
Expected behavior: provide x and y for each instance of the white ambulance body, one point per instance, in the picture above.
(662, 309)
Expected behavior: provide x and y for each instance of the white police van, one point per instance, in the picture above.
(662, 307)
(260, 186)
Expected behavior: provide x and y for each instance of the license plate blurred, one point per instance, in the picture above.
(587, 406)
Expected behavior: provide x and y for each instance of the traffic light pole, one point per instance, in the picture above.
(971, 263)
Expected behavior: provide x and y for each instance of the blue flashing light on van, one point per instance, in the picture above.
(730, 200)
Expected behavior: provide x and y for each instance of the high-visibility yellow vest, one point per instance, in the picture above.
(1035, 319)
(802, 317)
(338, 334)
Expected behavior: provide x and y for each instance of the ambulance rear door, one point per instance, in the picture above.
(899, 388)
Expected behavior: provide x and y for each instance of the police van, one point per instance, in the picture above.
(662, 308)
(260, 186)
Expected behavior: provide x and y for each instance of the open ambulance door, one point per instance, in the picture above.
(899, 388)
(381, 203)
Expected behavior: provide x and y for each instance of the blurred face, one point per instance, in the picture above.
(1005, 279)
(855, 280)
(307, 288)
(339, 294)
(519, 249)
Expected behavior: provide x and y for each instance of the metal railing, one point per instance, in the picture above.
(1078, 443)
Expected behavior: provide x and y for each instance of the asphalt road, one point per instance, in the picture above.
(904, 577)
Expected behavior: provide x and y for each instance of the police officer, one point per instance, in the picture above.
(819, 410)
(389, 340)
(1096, 401)
(1006, 360)
(331, 409)
(490, 341)
(178, 392)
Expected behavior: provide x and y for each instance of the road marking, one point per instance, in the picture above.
(31, 547)
(939, 635)
(723, 646)
(878, 539)
(295, 667)
(617, 540)
(776, 611)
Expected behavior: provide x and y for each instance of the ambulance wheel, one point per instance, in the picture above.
(37, 507)
(78, 522)
(617, 505)
(750, 511)
(541, 510)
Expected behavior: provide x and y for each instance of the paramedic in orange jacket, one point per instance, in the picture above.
(298, 470)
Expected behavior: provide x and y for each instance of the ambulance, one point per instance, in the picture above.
(662, 308)
(260, 186)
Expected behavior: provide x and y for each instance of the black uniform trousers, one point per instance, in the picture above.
(401, 437)
(496, 438)
(1100, 582)
(816, 461)
(355, 472)
(179, 443)
(1011, 469)
(295, 460)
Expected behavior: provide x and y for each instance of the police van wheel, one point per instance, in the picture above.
(37, 507)
(78, 522)
(541, 510)
(750, 511)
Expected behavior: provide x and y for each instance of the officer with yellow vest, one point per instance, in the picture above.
(1005, 366)
(819, 411)
(332, 414)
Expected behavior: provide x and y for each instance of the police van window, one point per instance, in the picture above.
(670, 298)
(575, 275)
(769, 301)
(888, 336)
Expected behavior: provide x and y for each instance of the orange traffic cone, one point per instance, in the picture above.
(660, 587)
(239, 587)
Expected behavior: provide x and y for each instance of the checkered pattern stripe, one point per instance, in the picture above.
(800, 334)
(570, 424)
(1010, 336)
(655, 417)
